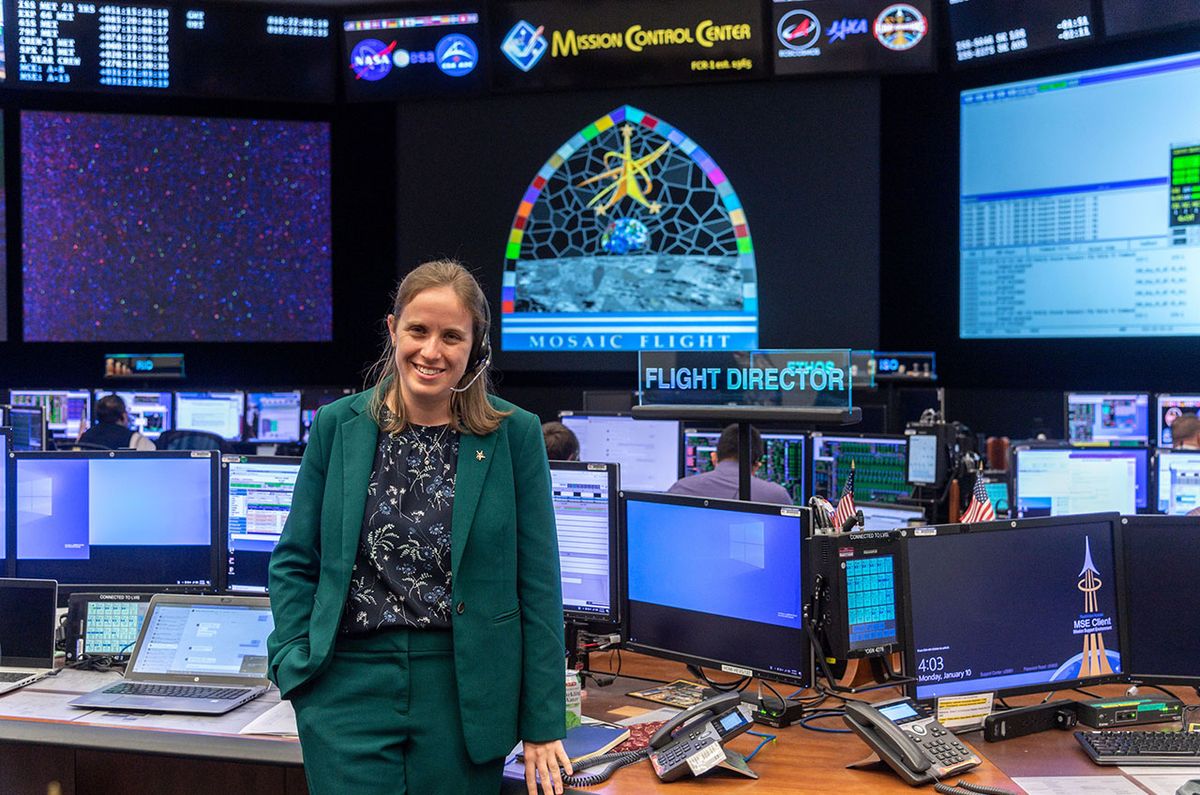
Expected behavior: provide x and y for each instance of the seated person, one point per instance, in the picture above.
(1185, 432)
(113, 429)
(561, 442)
(722, 480)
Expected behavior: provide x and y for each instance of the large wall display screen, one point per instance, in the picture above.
(548, 44)
(1078, 204)
(214, 49)
(175, 229)
(997, 29)
(1124, 16)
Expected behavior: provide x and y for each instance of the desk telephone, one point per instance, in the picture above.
(693, 741)
(916, 746)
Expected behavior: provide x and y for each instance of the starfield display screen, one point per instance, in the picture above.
(171, 228)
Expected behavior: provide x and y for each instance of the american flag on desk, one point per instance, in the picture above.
(980, 507)
(845, 506)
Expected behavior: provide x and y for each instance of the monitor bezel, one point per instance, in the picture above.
(814, 442)
(1156, 464)
(1017, 448)
(248, 432)
(8, 510)
(922, 535)
(8, 408)
(241, 416)
(629, 415)
(805, 458)
(65, 589)
(1107, 442)
(616, 563)
(47, 432)
(804, 515)
(221, 583)
(97, 394)
(1158, 413)
(1132, 522)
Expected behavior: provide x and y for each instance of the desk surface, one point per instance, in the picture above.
(799, 760)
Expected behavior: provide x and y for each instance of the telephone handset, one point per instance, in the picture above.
(911, 743)
(693, 741)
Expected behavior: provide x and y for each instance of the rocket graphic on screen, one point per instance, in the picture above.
(1095, 659)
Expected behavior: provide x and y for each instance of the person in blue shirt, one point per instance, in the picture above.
(722, 480)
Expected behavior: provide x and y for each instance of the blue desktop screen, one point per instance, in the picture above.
(1028, 603)
(120, 520)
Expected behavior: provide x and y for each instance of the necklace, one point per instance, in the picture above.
(427, 448)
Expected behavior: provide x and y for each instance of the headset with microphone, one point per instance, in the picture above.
(481, 352)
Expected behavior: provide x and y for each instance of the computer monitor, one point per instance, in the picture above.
(28, 425)
(149, 412)
(879, 462)
(1108, 418)
(313, 399)
(1178, 481)
(856, 604)
(1055, 481)
(586, 512)
(1014, 607)
(6, 482)
(68, 412)
(783, 459)
(256, 498)
(717, 583)
(1162, 556)
(889, 516)
(997, 492)
(273, 417)
(215, 412)
(1171, 408)
(647, 450)
(119, 517)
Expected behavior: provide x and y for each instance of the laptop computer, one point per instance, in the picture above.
(202, 655)
(27, 610)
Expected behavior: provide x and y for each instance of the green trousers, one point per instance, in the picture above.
(384, 718)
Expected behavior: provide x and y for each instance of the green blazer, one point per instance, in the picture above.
(507, 620)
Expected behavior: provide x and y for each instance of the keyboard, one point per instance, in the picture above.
(14, 676)
(1141, 748)
(181, 691)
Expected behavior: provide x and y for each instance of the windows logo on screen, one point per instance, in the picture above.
(524, 45)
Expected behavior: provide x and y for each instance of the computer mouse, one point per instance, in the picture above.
(1191, 787)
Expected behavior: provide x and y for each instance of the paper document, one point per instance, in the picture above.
(1078, 785)
(1162, 780)
(26, 703)
(279, 721)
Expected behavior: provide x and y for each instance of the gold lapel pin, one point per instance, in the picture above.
(479, 456)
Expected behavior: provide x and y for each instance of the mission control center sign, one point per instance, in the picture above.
(795, 378)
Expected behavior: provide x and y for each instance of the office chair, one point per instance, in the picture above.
(64, 444)
(190, 440)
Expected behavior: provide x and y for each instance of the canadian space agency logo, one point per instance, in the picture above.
(798, 29)
(630, 237)
(900, 27)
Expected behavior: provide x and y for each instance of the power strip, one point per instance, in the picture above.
(1029, 720)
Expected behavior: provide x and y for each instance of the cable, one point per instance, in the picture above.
(1081, 690)
(724, 687)
(608, 763)
(767, 738)
(982, 789)
(823, 713)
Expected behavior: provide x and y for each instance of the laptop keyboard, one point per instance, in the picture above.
(14, 676)
(181, 691)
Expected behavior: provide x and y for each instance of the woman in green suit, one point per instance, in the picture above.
(415, 588)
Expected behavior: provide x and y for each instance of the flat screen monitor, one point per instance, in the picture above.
(1171, 408)
(1123, 17)
(878, 516)
(997, 30)
(391, 54)
(118, 517)
(647, 450)
(997, 492)
(717, 583)
(783, 460)
(28, 425)
(923, 457)
(216, 412)
(256, 498)
(1178, 481)
(1162, 556)
(879, 463)
(1108, 418)
(1014, 607)
(313, 399)
(586, 512)
(6, 473)
(1052, 194)
(68, 412)
(149, 413)
(699, 451)
(273, 417)
(1057, 481)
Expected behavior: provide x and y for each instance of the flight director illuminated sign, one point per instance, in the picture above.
(389, 57)
(820, 36)
(613, 42)
(783, 378)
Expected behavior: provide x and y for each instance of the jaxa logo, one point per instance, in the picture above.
(839, 30)
(524, 45)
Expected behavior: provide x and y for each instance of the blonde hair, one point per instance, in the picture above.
(470, 410)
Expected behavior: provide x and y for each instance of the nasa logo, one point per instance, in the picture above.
(798, 30)
(839, 30)
(456, 55)
(371, 59)
(900, 27)
(524, 45)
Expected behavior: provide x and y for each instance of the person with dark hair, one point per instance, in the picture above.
(112, 429)
(1185, 432)
(561, 442)
(722, 480)
(416, 588)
